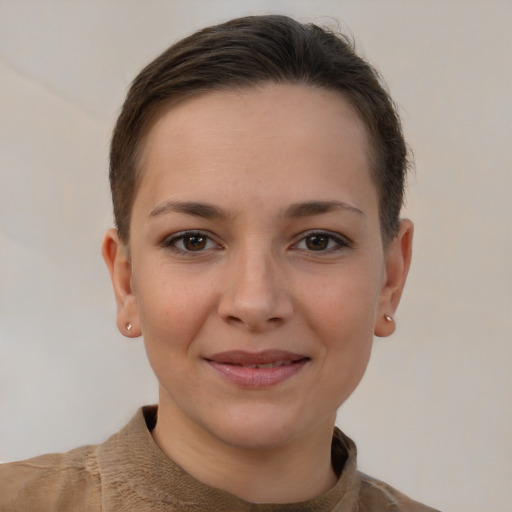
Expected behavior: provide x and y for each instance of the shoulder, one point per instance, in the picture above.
(377, 495)
(56, 482)
(370, 494)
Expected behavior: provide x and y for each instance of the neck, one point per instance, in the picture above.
(296, 471)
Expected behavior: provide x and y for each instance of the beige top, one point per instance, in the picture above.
(128, 472)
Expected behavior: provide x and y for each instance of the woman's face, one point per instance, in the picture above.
(257, 274)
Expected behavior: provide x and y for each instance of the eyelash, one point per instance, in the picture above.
(172, 241)
(335, 242)
(339, 241)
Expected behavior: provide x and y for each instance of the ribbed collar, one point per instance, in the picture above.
(135, 472)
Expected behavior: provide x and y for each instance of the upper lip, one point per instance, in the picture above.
(246, 358)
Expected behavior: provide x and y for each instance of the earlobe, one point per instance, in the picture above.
(117, 259)
(398, 261)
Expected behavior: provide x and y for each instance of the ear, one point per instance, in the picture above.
(398, 261)
(116, 256)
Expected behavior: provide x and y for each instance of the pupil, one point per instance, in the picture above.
(195, 242)
(317, 242)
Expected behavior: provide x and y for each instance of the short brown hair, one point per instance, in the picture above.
(249, 51)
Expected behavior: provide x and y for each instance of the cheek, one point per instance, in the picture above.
(341, 317)
(343, 323)
(172, 308)
(344, 301)
(170, 321)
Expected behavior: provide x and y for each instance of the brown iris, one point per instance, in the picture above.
(317, 242)
(194, 242)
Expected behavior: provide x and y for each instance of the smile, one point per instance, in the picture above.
(257, 370)
(266, 365)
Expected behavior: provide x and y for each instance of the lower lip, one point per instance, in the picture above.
(258, 377)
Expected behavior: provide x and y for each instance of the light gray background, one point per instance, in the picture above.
(433, 414)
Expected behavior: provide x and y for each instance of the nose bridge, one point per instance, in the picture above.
(255, 295)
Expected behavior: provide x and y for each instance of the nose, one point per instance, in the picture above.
(255, 296)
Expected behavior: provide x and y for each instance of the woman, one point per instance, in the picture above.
(257, 174)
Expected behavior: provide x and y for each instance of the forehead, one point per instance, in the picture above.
(264, 106)
(276, 135)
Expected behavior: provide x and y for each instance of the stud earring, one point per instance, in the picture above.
(388, 318)
(128, 326)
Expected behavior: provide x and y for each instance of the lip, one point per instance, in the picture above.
(239, 368)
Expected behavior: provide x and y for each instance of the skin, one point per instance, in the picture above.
(257, 281)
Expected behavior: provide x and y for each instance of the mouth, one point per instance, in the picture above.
(257, 370)
(274, 364)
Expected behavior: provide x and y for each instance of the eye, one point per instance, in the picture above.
(322, 241)
(191, 241)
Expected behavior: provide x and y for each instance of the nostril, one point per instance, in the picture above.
(253, 324)
(237, 321)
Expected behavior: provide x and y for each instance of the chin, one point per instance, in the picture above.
(258, 429)
(257, 438)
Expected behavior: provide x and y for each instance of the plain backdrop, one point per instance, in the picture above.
(433, 414)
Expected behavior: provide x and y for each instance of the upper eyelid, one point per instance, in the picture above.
(332, 234)
(173, 237)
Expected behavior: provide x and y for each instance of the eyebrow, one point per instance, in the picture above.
(310, 208)
(209, 211)
(197, 209)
